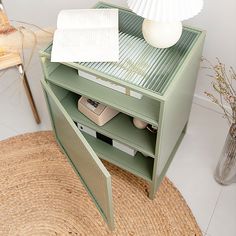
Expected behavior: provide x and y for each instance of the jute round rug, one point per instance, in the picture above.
(41, 195)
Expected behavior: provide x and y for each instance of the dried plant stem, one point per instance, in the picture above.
(229, 82)
(30, 24)
(226, 114)
(223, 85)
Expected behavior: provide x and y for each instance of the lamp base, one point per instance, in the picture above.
(161, 34)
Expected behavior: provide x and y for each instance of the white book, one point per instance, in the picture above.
(122, 147)
(86, 35)
(109, 84)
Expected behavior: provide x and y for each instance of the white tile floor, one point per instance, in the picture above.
(191, 171)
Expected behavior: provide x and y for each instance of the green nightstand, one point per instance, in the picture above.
(166, 80)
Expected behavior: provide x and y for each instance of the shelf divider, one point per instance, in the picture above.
(146, 108)
(119, 128)
(138, 165)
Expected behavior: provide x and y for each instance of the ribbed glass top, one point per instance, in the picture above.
(141, 64)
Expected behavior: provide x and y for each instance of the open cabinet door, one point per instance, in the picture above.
(83, 159)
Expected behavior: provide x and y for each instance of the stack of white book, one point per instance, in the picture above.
(122, 147)
(109, 84)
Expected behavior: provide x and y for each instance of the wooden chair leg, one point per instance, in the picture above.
(29, 94)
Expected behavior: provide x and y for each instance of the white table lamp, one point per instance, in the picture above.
(162, 25)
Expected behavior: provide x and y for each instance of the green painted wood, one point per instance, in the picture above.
(139, 165)
(120, 128)
(146, 109)
(47, 66)
(83, 158)
(59, 92)
(168, 91)
(178, 104)
(174, 112)
(155, 186)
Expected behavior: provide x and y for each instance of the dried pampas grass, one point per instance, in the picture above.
(25, 37)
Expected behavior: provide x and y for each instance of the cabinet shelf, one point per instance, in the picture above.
(146, 108)
(138, 165)
(119, 128)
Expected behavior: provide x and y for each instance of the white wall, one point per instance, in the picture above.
(218, 18)
(44, 12)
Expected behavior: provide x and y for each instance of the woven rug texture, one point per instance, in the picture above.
(41, 195)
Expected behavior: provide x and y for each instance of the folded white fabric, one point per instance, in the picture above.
(86, 35)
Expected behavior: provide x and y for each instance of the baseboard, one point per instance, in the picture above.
(203, 101)
(206, 103)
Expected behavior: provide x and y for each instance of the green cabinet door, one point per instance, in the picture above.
(83, 159)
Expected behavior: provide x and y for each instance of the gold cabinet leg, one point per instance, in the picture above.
(29, 94)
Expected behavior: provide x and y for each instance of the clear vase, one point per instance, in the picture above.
(225, 172)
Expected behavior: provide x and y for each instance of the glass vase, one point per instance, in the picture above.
(225, 172)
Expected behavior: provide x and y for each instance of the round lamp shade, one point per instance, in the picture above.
(162, 26)
(166, 10)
